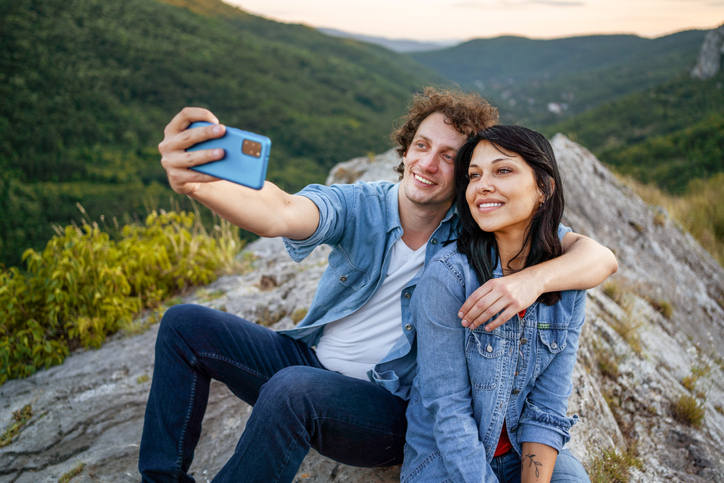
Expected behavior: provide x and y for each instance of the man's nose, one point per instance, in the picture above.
(429, 162)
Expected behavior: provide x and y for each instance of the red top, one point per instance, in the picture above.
(504, 444)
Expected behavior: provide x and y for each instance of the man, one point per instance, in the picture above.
(339, 381)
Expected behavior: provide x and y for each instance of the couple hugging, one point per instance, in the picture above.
(442, 335)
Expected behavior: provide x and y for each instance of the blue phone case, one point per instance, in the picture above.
(246, 156)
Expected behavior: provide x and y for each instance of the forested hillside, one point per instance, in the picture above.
(87, 86)
(538, 82)
(668, 135)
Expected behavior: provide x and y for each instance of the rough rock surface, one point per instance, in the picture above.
(709, 61)
(90, 409)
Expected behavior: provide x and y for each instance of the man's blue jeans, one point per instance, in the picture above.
(567, 470)
(298, 404)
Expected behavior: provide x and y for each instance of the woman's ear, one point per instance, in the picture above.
(542, 196)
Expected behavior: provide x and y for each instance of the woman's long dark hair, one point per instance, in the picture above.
(541, 236)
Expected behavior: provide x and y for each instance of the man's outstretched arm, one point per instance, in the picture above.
(583, 265)
(268, 212)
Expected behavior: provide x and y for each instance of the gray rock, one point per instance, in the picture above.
(90, 409)
(709, 61)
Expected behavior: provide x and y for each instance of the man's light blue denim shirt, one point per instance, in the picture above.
(361, 222)
(470, 381)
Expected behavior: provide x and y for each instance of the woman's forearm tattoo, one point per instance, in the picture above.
(532, 462)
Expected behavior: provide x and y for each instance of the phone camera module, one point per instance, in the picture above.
(251, 148)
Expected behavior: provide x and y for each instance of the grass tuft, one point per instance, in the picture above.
(688, 410)
(20, 418)
(613, 466)
(72, 473)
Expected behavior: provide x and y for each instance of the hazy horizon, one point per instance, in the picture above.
(463, 20)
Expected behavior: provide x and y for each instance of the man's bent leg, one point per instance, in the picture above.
(194, 345)
(352, 421)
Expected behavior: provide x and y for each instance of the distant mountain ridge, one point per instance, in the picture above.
(538, 82)
(396, 45)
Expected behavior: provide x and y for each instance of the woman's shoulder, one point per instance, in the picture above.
(567, 310)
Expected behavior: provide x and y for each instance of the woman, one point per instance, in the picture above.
(491, 406)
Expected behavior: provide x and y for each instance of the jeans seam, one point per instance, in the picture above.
(210, 355)
(182, 439)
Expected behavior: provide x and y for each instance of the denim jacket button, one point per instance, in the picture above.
(515, 391)
(523, 340)
(489, 348)
(434, 241)
(407, 295)
(408, 327)
(343, 278)
(554, 345)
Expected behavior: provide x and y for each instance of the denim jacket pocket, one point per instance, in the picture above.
(484, 353)
(346, 272)
(552, 342)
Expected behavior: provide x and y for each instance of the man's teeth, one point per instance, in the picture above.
(423, 180)
(489, 205)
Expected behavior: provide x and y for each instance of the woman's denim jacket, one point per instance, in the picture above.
(469, 381)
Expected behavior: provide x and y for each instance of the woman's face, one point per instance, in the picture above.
(502, 193)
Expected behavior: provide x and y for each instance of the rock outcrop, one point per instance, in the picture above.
(655, 333)
(709, 61)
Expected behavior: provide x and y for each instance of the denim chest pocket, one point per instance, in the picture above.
(552, 342)
(484, 353)
(346, 272)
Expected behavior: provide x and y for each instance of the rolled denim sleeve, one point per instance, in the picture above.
(544, 419)
(443, 374)
(332, 204)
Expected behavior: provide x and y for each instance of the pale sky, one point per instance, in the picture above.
(467, 19)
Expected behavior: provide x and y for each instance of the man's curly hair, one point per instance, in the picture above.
(468, 113)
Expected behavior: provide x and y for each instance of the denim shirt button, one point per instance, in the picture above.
(489, 348)
(408, 327)
(343, 278)
(515, 391)
(554, 345)
(523, 340)
(407, 295)
(434, 241)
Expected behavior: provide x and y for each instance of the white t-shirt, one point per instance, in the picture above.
(355, 344)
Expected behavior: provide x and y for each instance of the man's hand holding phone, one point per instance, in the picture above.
(178, 138)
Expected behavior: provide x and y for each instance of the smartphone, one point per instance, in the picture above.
(246, 156)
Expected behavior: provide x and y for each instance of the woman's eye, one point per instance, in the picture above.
(504, 170)
(473, 175)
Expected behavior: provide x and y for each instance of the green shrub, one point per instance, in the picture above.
(84, 285)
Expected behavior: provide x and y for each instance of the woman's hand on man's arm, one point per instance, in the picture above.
(583, 265)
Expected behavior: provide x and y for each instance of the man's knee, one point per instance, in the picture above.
(296, 389)
(178, 317)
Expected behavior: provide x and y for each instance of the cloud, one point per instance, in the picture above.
(509, 4)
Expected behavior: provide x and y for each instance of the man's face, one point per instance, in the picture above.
(429, 177)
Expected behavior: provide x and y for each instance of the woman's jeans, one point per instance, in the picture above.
(297, 403)
(567, 470)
